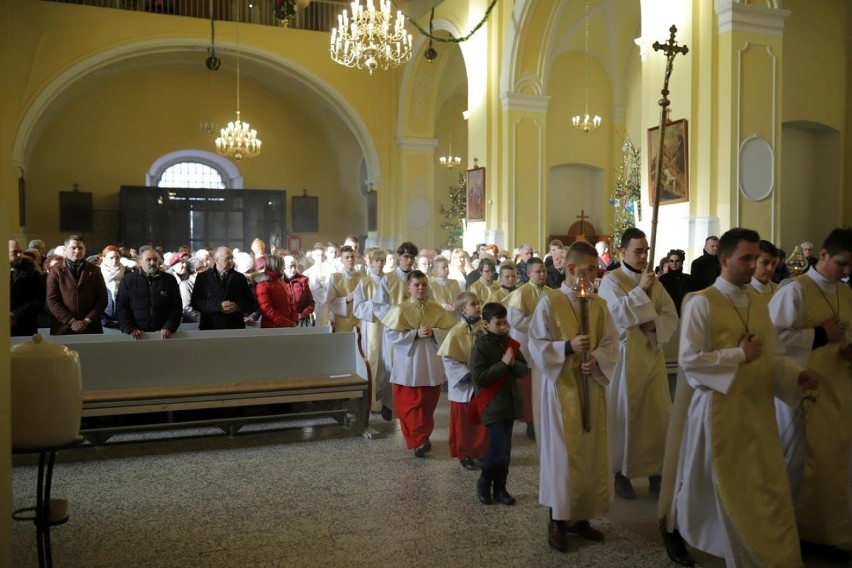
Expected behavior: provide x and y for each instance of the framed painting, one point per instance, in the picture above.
(475, 185)
(674, 181)
(305, 214)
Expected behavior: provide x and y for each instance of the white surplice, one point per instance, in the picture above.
(638, 398)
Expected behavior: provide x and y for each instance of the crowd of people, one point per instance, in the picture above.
(751, 462)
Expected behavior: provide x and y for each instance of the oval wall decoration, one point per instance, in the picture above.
(757, 168)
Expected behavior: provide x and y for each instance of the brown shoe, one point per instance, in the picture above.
(556, 536)
(584, 530)
(623, 487)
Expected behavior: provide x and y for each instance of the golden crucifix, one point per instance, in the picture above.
(671, 49)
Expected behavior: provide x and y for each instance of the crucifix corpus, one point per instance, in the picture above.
(671, 49)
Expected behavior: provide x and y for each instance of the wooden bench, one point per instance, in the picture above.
(223, 369)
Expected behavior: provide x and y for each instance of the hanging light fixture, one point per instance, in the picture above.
(586, 122)
(373, 38)
(449, 161)
(239, 140)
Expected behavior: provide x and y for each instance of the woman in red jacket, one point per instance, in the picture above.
(274, 297)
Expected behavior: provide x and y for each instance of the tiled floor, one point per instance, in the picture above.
(315, 496)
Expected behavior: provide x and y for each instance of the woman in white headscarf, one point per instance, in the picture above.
(112, 271)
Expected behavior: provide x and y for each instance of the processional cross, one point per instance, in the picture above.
(582, 217)
(671, 49)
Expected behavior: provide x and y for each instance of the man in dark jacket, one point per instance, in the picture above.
(556, 271)
(706, 268)
(221, 295)
(27, 293)
(76, 292)
(676, 282)
(148, 299)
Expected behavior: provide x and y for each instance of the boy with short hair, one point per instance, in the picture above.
(340, 292)
(466, 439)
(507, 278)
(496, 362)
(520, 306)
(766, 263)
(442, 288)
(416, 372)
(574, 480)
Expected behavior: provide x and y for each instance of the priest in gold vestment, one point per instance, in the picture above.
(731, 496)
(812, 314)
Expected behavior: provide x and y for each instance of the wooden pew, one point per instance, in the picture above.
(221, 369)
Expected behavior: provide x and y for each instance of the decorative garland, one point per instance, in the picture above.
(450, 39)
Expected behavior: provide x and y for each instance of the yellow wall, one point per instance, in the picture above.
(42, 46)
(816, 49)
(110, 135)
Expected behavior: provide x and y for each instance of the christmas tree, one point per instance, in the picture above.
(454, 215)
(626, 198)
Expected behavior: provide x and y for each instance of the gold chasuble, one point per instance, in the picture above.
(343, 287)
(374, 331)
(411, 314)
(822, 505)
(524, 298)
(484, 291)
(397, 289)
(588, 471)
(459, 342)
(746, 455)
(444, 290)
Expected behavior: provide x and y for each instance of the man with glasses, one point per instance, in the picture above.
(676, 282)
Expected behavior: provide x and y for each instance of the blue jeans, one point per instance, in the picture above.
(496, 463)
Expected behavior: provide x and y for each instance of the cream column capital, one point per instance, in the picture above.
(734, 16)
(412, 144)
(525, 102)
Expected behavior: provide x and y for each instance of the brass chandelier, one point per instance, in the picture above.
(238, 140)
(586, 122)
(373, 37)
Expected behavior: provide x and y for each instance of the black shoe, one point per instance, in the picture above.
(654, 484)
(623, 487)
(501, 495)
(584, 530)
(468, 463)
(556, 536)
(483, 490)
(421, 450)
(387, 414)
(676, 548)
(531, 431)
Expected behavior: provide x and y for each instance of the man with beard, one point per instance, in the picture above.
(148, 299)
(676, 282)
(27, 293)
(76, 292)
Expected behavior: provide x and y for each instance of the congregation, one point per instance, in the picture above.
(572, 344)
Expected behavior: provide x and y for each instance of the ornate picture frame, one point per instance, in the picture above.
(475, 186)
(675, 163)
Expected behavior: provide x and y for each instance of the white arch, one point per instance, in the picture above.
(22, 146)
(233, 179)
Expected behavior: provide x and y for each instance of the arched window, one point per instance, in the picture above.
(191, 174)
(194, 168)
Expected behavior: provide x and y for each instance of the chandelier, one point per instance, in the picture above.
(371, 39)
(586, 122)
(238, 140)
(449, 161)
